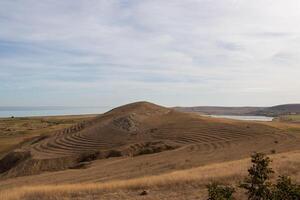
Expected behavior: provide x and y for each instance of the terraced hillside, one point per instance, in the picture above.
(14, 131)
(174, 140)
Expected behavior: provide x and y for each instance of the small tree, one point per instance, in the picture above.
(220, 192)
(257, 185)
(285, 189)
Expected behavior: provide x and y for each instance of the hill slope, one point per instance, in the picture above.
(175, 140)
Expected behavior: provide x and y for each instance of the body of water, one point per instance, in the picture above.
(245, 118)
(50, 111)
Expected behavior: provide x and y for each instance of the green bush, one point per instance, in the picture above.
(285, 189)
(220, 192)
(257, 185)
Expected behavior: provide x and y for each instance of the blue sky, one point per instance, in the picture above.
(172, 52)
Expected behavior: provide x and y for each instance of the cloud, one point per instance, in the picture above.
(271, 35)
(228, 46)
(196, 48)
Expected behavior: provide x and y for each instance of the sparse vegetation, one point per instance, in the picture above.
(149, 148)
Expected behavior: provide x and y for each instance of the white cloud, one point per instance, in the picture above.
(214, 48)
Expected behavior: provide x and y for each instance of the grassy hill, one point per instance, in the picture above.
(138, 142)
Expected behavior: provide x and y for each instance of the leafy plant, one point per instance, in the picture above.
(217, 191)
(285, 189)
(257, 185)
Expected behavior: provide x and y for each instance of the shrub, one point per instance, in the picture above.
(220, 192)
(285, 189)
(273, 151)
(12, 159)
(89, 156)
(257, 185)
(113, 153)
(146, 151)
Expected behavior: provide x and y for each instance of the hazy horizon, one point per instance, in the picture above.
(46, 107)
(172, 53)
(31, 111)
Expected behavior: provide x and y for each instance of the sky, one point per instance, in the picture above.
(170, 52)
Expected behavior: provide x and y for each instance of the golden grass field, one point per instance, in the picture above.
(203, 149)
(159, 186)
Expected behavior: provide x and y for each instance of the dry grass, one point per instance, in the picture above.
(199, 141)
(15, 130)
(228, 172)
(177, 174)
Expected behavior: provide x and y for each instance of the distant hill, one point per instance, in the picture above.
(260, 111)
(215, 110)
(285, 109)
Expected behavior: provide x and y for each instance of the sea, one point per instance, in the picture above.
(27, 111)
